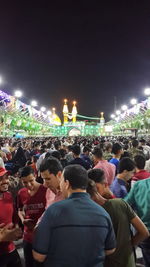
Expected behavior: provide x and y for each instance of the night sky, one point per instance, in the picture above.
(84, 52)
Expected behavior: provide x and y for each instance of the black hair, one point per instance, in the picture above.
(51, 164)
(47, 155)
(97, 175)
(126, 164)
(116, 147)
(135, 143)
(62, 153)
(91, 189)
(77, 176)
(25, 171)
(86, 149)
(76, 150)
(139, 161)
(56, 154)
(97, 151)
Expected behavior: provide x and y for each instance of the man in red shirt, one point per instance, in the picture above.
(8, 253)
(108, 168)
(31, 205)
(140, 173)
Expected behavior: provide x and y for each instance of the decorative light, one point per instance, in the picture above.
(18, 93)
(147, 91)
(133, 101)
(43, 109)
(124, 107)
(118, 112)
(49, 112)
(34, 103)
(112, 116)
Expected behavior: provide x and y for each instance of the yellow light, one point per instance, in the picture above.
(74, 102)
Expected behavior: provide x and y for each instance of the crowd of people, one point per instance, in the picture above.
(74, 201)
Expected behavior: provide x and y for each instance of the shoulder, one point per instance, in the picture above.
(22, 191)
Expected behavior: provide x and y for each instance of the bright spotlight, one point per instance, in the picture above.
(49, 113)
(43, 109)
(147, 91)
(34, 103)
(18, 93)
(112, 116)
(133, 101)
(124, 107)
(118, 112)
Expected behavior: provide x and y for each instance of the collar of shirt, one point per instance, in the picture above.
(79, 194)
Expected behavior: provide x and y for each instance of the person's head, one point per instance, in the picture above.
(135, 143)
(108, 147)
(62, 153)
(97, 154)
(27, 177)
(76, 150)
(117, 149)
(126, 168)
(74, 179)
(86, 150)
(139, 162)
(51, 170)
(93, 192)
(56, 154)
(97, 175)
(4, 180)
(142, 142)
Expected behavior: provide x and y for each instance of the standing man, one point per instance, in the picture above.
(68, 237)
(8, 253)
(31, 205)
(51, 170)
(125, 172)
(108, 168)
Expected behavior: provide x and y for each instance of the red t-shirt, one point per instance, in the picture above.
(7, 212)
(33, 206)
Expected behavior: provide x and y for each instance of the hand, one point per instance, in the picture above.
(29, 223)
(8, 233)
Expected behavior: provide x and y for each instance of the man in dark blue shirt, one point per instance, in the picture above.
(77, 160)
(75, 232)
(126, 170)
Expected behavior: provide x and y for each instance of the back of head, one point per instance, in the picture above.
(97, 152)
(86, 149)
(139, 161)
(62, 153)
(76, 150)
(126, 164)
(97, 175)
(77, 176)
(56, 154)
(135, 143)
(51, 164)
(116, 148)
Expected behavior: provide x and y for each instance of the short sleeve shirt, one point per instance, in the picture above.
(121, 214)
(33, 206)
(118, 188)
(74, 232)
